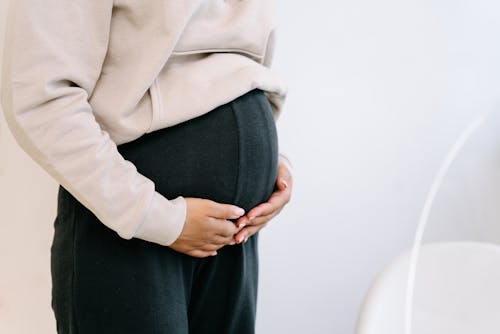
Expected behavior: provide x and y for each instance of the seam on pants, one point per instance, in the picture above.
(73, 273)
(238, 157)
(270, 130)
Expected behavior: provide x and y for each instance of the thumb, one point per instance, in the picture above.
(282, 184)
(225, 211)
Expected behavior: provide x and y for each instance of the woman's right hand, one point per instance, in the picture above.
(207, 227)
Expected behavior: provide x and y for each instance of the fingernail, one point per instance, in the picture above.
(214, 253)
(232, 243)
(284, 183)
(242, 225)
(246, 239)
(251, 217)
(238, 211)
(241, 238)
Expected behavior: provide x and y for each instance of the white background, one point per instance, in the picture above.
(378, 92)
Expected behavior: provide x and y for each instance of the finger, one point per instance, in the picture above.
(200, 254)
(247, 232)
(211, 247)
(240, 227)
(224, 228)
(259, 220)
(275, 202)
(225, 240)
(284, 176)
(281, 192)
(242, 222)
(279, 198)
(222, 240)
(261, 209)
(224, 211)
(281, 183)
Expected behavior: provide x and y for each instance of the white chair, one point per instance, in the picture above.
(456, 291)
(442, 287)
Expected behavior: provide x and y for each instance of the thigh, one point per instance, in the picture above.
(224, 292)
(105, 284)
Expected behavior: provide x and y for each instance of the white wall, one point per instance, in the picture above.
(378, 93)
(27, 209)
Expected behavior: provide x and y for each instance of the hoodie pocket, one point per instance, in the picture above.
(156, 105)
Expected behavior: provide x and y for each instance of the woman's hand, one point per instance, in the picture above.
(207, 227)
(258, 217)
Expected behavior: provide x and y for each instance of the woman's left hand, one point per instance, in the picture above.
(258, 217)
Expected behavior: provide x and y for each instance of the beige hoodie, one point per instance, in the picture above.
(80, 77)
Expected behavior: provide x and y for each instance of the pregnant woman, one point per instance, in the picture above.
(158, 121)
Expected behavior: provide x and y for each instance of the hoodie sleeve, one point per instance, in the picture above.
(53, 55)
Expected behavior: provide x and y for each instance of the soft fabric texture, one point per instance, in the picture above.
(104, 284)
(80, 77)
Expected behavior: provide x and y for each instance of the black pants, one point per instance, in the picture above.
(103, 284)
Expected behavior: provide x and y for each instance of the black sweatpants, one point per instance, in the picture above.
(104, 284)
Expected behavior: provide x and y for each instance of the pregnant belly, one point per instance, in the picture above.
(228, 155)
